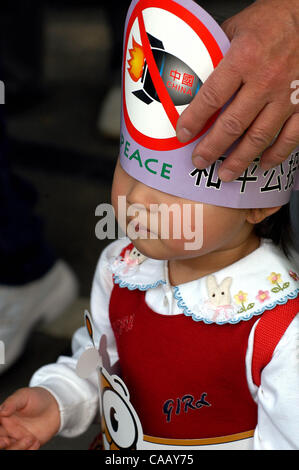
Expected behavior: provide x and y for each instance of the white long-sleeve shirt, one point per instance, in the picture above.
(277, 397)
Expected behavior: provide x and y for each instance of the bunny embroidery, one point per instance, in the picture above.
(127, 264)
(136, 256)
(219, 301)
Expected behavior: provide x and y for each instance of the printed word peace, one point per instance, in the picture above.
(152, 165)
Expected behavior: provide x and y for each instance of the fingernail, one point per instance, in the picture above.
(2, 408)
(184, 135)
(200, 162)
(227, 175)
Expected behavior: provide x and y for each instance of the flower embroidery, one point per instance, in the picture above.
(294, 275)
(263, 295)
(241, 298)
(275, 278)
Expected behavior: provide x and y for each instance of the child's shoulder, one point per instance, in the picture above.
(271, 255)
(271, 273)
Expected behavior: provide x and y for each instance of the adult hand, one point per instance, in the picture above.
(258, 71)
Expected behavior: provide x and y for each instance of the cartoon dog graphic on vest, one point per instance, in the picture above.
(121, 427)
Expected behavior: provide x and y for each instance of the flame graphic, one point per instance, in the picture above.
(136, 61)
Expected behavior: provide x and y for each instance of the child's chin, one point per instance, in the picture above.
(151, 248)
(162, 249)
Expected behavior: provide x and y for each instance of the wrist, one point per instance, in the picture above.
(51, 405)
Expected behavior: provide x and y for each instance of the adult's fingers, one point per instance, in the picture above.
(212, 96)
(229, 126)
(286, 142)
(257, 138)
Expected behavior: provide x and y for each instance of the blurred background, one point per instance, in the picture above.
(56, 59)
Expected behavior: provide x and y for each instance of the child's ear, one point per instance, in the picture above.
(255, 216)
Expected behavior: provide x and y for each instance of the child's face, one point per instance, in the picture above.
(219, 228)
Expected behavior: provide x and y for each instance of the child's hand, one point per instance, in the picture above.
(28, 419)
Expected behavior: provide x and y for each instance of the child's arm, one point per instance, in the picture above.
(278, 396)
(76, 399)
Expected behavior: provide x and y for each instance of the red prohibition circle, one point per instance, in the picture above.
(170, 143)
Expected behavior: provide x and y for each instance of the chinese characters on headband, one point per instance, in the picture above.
(280, 178)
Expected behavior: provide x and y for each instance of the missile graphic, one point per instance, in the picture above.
(181, 81)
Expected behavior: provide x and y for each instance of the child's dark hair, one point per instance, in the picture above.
(278, 228)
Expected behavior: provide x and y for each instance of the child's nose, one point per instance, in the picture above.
(141, 196)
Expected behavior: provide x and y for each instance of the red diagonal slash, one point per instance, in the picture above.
(160, 88)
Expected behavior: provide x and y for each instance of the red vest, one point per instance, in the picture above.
(187, 379)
